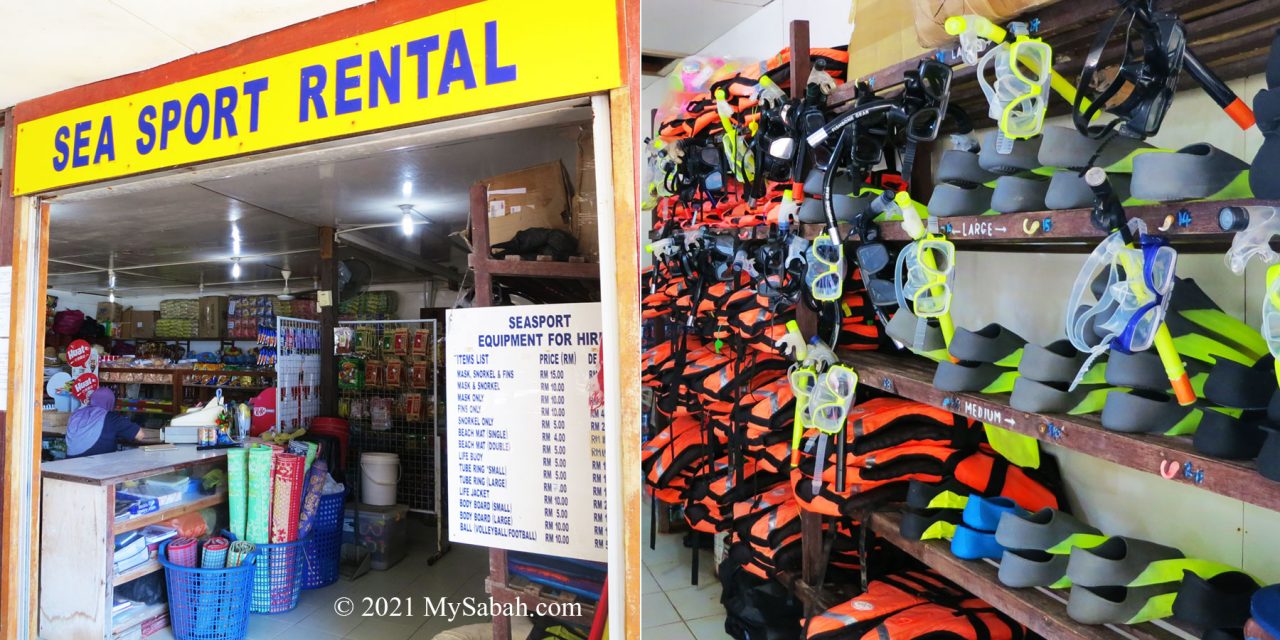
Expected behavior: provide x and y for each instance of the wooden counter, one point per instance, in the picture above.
(130, 464)
(78, 529)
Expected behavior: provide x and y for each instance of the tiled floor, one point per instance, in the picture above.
(460, 574)
(672, 608)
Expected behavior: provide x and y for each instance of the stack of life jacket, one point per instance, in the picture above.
(724, 409)
(697, 183)
(913, 605)
(892, 441)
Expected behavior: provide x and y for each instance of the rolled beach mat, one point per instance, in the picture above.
(258, 512)
(182, 551)
(237, 489)
(213, 554)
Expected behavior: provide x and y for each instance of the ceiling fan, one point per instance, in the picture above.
(284, 294)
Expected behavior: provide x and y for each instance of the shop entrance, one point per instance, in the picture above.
(209, 287)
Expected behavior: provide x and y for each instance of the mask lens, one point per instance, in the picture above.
(1031, 62)
(935, 79)
(873, 258)
(924, 124)
(881, 292)
(714, 181)
(782, 148)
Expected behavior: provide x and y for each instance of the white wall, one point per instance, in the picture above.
(1027, 293)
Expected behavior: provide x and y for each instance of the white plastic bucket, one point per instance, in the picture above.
(379, 475)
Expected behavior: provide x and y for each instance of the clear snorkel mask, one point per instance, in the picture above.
(1019, 96)
(825, 268)
(1128, 310)
(925, 268)
(1255, 227)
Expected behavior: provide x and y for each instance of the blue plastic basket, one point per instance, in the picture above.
(323, 548)
(278, 580)
(208, 604)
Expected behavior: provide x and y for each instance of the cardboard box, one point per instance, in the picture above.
(529, 198)
(213, 317)
(139, 324)
(586, 228)
(931, 14)
(884, 33)
(109, 312)
(584, 225)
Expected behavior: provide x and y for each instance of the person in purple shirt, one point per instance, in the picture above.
(94, 429)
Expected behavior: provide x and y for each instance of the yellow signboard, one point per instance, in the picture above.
(483, 56)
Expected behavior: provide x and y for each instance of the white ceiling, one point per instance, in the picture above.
(280, 210)
(682, 27)
(51, 45)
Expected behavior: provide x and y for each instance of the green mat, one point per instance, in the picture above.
(237, 474)
(311, 457)
(258, 518)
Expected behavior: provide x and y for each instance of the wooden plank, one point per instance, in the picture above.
(911, 377)
(815, 600)
(18, 580)
(1217, 32)
(173, 511)
(479, 258)
(328, 322)
(147, 568)
(1186, 224)
(129, 464)
(533, 269)
(133, 617)
(624, 125)
(532, 598)
(1039, 611)
(74, 594)
(497, 586)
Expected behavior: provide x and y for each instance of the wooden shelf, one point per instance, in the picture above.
(1191, 226)
(533, 599)
(1070, 27)
(1041, 610)
(147, 568)
(911, 376)
(171, 511)
(137, 615)
(535, 269)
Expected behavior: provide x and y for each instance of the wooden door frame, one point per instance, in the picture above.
(25, 222)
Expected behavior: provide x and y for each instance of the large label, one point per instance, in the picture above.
(487, 55)
(526, 429)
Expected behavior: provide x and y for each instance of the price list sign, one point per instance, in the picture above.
(526, 456)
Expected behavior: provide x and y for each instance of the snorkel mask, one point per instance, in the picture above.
(1019, 96)
(1146, 76)
(925, 269)
(825, 272)
(1130, 308)
(1255, 227)
(1149, 70)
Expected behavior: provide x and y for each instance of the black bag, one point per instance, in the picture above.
(538, 241)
